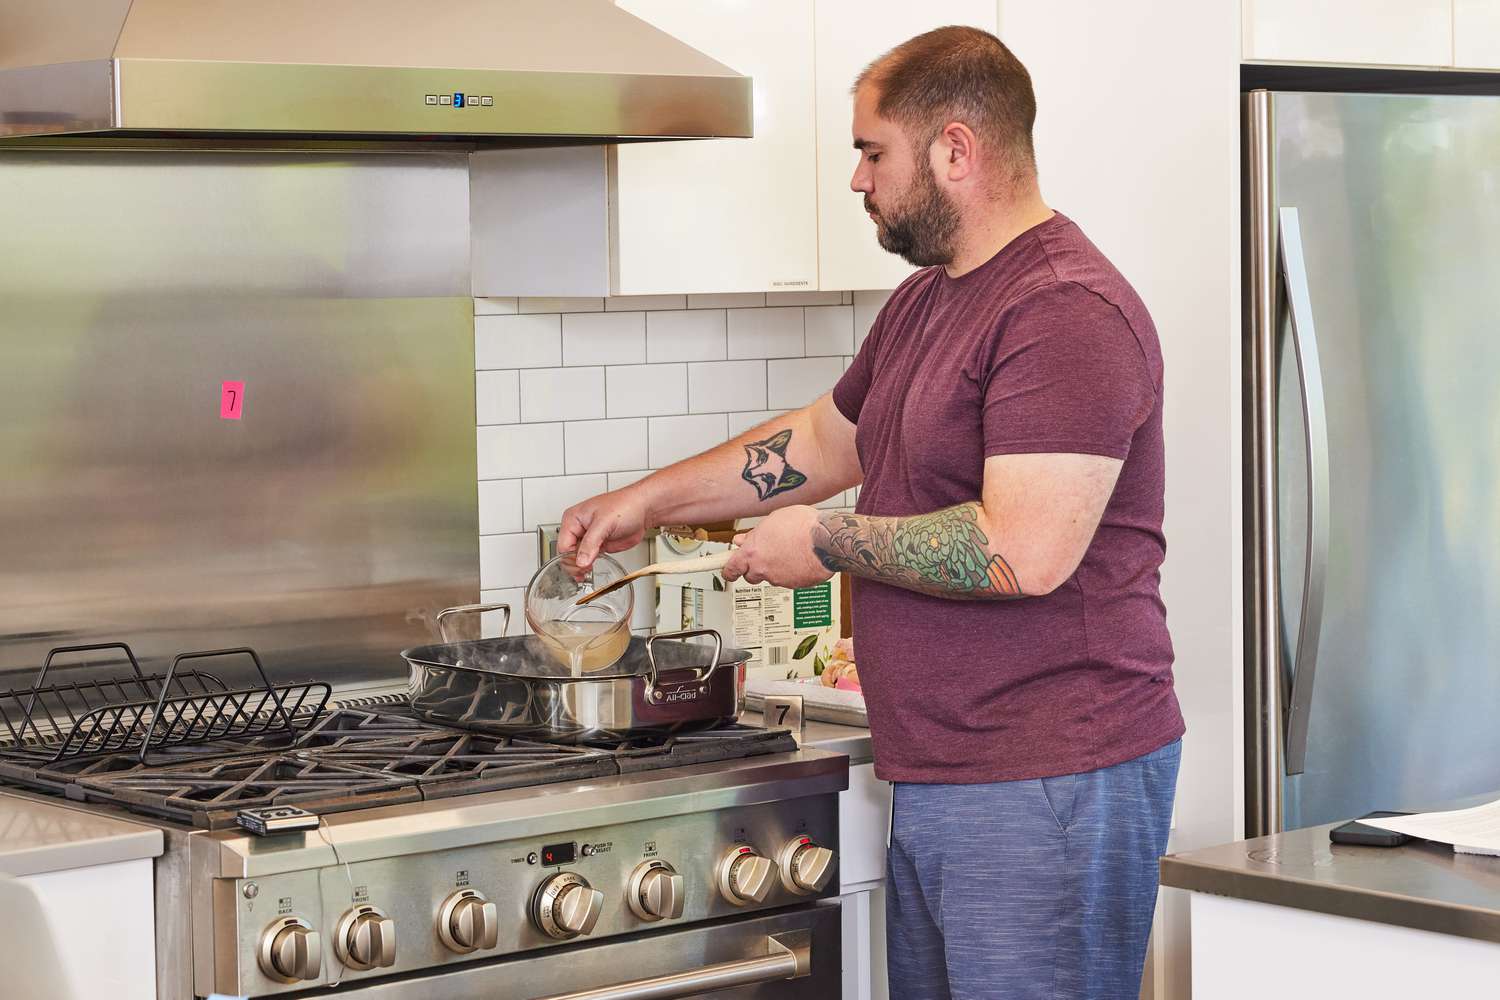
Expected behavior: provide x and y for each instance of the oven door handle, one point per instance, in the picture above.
(788, 956)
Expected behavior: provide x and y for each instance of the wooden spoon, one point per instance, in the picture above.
(703, 564)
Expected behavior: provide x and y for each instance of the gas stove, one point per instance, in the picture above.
(370, 853)
(358, 758)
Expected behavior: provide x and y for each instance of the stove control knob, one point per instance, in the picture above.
(468, 922)
(566, 906)
(366, 939)
(805, 867)
(744, 876)
(656, 891)
(290, 951)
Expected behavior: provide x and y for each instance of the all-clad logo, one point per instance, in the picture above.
(688, 695)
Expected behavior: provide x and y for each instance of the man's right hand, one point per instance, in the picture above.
(611, 522)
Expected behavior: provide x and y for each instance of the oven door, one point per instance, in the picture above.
(788, 955)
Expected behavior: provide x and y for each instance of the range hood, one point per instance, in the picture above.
(482, 72)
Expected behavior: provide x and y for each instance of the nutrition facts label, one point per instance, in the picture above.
(763, 617)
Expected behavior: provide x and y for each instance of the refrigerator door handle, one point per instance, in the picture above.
(1303, 668)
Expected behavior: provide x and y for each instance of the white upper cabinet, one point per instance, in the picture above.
(1375, 32)
(1476, 34)
(772, 213)
(850, 34)
(725, 215)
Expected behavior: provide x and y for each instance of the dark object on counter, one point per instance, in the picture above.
(1355, 832)
(514, 687)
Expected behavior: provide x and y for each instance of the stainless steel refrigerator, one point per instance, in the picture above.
(1373, 453)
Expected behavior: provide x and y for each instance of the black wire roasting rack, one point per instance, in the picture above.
(112, 710)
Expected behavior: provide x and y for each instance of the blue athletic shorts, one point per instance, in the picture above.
(1028, 890)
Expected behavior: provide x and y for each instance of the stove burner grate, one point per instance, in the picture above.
(363, 758)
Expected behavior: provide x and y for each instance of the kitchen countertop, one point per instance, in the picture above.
(1421, 885)
(37, 837)
(854, 741)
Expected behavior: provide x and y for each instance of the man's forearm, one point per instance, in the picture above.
(946, 553)
(774, 465)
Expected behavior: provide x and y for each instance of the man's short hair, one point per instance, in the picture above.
(958, 74)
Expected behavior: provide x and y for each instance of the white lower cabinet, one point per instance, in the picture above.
(45, 953)
(864, 827)
(1244, 950)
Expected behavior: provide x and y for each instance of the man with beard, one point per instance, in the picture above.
(1005, 419)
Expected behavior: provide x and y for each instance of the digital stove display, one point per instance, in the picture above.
(559, 854)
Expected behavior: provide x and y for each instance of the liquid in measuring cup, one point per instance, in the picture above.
(585, 646)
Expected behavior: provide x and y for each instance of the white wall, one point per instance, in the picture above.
(579, 395)
(1138, 141)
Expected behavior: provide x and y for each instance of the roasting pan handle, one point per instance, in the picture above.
(652, 692)
(788, 956)
(470, 609)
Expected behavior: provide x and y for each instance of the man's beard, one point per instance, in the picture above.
(921, 227)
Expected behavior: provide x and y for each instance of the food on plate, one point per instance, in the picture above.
(841, 672)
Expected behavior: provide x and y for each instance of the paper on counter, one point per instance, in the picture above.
(1470, 831)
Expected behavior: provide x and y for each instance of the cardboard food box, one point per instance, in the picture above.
(788, 633)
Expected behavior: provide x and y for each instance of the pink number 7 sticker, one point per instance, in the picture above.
(232, 401)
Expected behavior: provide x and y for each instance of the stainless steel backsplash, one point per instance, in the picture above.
(327, 524)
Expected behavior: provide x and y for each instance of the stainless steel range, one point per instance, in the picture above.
(363, 849)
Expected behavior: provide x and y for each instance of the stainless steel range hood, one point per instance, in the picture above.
(483, 72)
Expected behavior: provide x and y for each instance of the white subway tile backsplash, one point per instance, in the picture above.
(647, 390)
(643, 591)
(766, 333)
(676, 438)
(516, 451)
(830, 330)
(549, 394)
(739, 423)
(731, 300)
(835, 502)
(798, 382)
(499, 506)
(576, 396)
(867, 306)
(492, 624)
(627, 303)
(561, 305)
(497, 397)
(620, 480)
(507, 560)
(686, 335)
(847, 362)
(604, 338)
(517, 341)
(802, 298)
(544, 500)
(716, 386)
(605, 445)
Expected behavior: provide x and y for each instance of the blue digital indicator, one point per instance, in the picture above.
(458, 100)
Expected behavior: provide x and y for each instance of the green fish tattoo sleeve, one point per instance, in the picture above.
(945, 553)
(767, 469)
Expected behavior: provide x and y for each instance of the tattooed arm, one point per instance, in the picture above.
(945, 553)
(1024, 538)
(803, 457)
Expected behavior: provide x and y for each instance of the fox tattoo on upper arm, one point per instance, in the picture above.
(766, 467)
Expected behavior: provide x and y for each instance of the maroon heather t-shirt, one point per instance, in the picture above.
(1044, 348)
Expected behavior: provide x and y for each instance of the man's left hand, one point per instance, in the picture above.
(779, 551)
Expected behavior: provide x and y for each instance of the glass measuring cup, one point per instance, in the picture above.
(582, 637)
